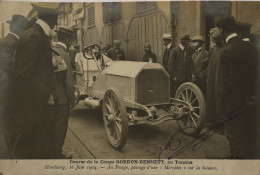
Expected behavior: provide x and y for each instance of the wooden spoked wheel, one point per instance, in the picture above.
(115, 118)
(192, 123)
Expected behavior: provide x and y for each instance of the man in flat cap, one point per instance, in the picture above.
(237, 104)
(8, 46)
(149, 56)
(180, 64)
(116, 53)
(35, 89)
(64, 87)
(200, 60)
(167, 42)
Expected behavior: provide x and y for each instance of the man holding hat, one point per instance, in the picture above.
(180, 64)
(35, 89)
(200, 60)
(167, 42)
(64, 87)
(116, 53)
(236, 105)
(8, 46)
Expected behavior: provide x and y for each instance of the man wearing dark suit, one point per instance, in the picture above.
(180, 64)
(167, 42)
(200, 60)
(35, 89)
(64, 88)
(8, 46)
(236, 101)
(116, 53)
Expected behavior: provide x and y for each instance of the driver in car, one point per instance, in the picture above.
(116, 53)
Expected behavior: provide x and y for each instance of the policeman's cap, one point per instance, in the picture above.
(47, 8)
(65, 30)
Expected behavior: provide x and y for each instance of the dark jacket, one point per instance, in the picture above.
(166, 56)
(149, 55)
(237, 66)
(180, 66)
(200, 63)
(116, 54)
(8, 46)
(33, 69)
(64, 88)
(212, 82)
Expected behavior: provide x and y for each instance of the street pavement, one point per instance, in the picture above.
(86, 139)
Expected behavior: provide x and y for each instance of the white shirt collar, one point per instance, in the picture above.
(15, 35)
(181, 46)
(230, 36)
(169, 46)
(246, 39)
(62, 44)
(199, 49)
(46, 28)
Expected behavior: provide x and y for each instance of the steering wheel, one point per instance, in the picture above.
(90, 50)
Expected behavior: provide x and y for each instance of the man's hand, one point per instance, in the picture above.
(51, 100)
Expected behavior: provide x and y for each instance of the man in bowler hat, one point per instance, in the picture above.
(35, 90)
(236, 104)
(8, 46)
(180, 64)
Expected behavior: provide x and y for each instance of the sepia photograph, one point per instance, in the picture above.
(129, 80)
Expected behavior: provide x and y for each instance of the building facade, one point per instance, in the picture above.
(134, 23)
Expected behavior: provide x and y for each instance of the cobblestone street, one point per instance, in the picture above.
(86, 139)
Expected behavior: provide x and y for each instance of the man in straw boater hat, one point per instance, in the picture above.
(167, 42)
(35, 89)
(200, 60)
(236, 102)
(8, 46)
(64, 87)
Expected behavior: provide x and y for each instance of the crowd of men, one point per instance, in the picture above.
(37, 87)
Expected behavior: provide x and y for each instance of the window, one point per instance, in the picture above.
(111, 11)
(91, 16)
(143, 7)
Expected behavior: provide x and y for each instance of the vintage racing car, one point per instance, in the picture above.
(131, 93)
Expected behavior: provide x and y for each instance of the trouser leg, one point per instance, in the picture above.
(61, 125)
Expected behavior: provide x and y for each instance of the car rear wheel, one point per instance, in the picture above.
(115, 118)
(193, 123)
